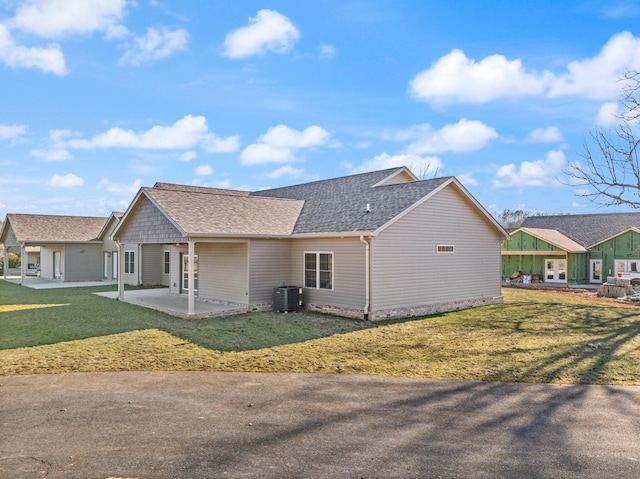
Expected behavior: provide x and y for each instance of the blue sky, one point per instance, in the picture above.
(100, 97)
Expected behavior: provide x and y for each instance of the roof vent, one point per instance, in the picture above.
(368, 208)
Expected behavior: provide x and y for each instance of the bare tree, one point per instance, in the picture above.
(611, 170)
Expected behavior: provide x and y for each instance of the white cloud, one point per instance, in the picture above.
(267, 31)
(328, 52)
(280, 143)
(532, 173)
(550, 134)
(119, 188)
(185, 134)
(466, 135)
(599, 77)
(204, 170)
(213, 144)
(65, 181)
(288, 171)
(61, 18)
(188, 156)
(467, 179)
(49, 59)
(455, 78)
(156, 45)
(12, 132)
(261, 153)
(424, 167)
(51, 155)
(608, 115)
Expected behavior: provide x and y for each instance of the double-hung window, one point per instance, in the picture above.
(129, 262)
(318, 270)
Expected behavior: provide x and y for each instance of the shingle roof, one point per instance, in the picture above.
(588, 229)
(55, 229)
(209, 212)
(340, 204)
(198, 189)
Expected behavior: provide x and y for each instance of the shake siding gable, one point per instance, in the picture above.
(348, 274)
(147, 224)
(269, 266)
(406, 252)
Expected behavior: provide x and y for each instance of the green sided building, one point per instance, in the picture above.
(574, 249)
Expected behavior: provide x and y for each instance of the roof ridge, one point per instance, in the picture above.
(220, 192)
(416, 183)
(58, 216)
(389, 170)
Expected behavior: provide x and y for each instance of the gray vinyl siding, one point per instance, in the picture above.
(148, 225)
(82, 262)
(174, 272)
(152, 264)
(223, 272)
(348, 273)
(270, 266)
(46, 260)
(407, 271)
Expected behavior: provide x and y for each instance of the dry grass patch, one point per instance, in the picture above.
(535, 336)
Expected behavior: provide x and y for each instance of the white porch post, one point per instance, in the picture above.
(191, 279)
(23, 264)
(120, 271)
(5, 261)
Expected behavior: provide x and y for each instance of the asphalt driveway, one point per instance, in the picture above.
(209, 425)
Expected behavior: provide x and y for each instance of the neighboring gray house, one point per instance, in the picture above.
(375, 245)
(69, 248)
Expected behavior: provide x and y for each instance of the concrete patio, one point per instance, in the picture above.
(160, 299)
(35, 282)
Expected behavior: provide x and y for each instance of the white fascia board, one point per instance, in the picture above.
(333, 234)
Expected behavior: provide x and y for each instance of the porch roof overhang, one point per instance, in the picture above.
(554, 238)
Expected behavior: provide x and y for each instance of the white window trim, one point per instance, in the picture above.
(445, 249)
(333, 269)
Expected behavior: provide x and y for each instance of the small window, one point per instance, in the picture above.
(167, 262)
(444, 248)
(318, 270)
(129, 262)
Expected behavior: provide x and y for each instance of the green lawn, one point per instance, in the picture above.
(535, 336)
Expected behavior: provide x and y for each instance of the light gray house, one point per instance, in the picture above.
(67, 248)
(375, 245)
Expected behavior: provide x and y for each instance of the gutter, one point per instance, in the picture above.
(367, 278)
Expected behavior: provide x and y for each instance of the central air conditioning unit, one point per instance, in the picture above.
(287, 298)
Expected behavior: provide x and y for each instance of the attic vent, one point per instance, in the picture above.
(445, 248)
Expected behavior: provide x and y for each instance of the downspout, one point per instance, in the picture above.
(367, 278)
